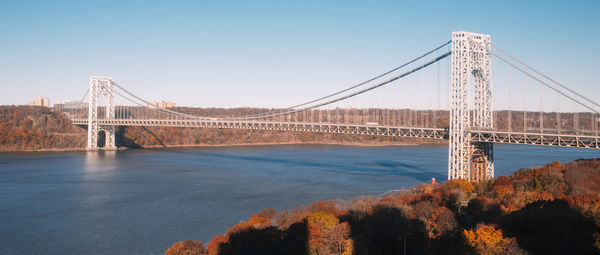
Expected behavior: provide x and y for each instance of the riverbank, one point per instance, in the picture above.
(228, 145)
(29, 129)
(46, 150)
(288, 143)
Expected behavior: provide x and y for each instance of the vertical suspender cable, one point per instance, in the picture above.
(576, 120)
(438, 96)
(420, 92)
(558, 114)
(541, 108)
(544, 76)
(510, 80)
(595, 124)
(525, 108)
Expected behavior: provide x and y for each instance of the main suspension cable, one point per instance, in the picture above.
(85, 94)
(158, 110)
(372, 79)
(352, 94)
(155, 105)
(367, 81)
(545, 76)
(544, 83)
(290, 109)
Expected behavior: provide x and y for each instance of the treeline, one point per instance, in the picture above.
(567, 122)
(39, 128)
(25, 128)
(551, 122)
(167, 136)
(553, 209)
(570, 123)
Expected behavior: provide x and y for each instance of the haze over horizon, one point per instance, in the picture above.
(272, 54)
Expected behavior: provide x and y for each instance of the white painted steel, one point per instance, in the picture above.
(101, 86)
(471, 59)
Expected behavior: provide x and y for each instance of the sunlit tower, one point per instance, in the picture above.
(101, 86)
(471, 67)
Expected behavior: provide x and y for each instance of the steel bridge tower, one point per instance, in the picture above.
(101, 86)
(471, 70)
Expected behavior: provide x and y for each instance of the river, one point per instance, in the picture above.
(142, 201)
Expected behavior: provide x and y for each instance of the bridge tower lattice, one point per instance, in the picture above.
(101, 86)
(471, 64)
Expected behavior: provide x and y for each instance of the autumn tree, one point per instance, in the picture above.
(486, 239)
(261, 219)
(320, 225)
(462, 184)
(187, 247)
(442, 222)
(337, 240)
(215, 243)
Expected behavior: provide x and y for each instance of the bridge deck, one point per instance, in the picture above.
(544, 139)
(560, 140)
(432, 133)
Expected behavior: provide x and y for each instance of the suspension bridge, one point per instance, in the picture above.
(469, 121)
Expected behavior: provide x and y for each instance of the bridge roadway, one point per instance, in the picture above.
(544, 139)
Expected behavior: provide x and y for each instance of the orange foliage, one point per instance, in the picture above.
(323, 206)
(462, 184)
(213, 245)
(520, 199)
(267, 213)
(442, 221)
(502, 187)
(323, 220)
(486, 240)
(578, 200)
(258, 222)
(319, 224)
(237, 228)
(186, 247)
(316, 238)
(261, 219)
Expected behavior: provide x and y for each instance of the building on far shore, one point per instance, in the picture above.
(41, 101)
(70, 106)
(161, 104)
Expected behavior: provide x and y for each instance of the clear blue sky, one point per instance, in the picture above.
(270, 53)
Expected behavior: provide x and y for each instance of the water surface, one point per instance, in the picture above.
(142, 201)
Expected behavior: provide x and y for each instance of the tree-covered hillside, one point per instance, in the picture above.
(25, 128)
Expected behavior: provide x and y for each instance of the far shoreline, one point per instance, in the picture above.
(75, 149)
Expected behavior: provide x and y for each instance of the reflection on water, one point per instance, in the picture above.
(142, 201)
(100, 161)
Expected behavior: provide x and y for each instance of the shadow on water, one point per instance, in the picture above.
(393, 167)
